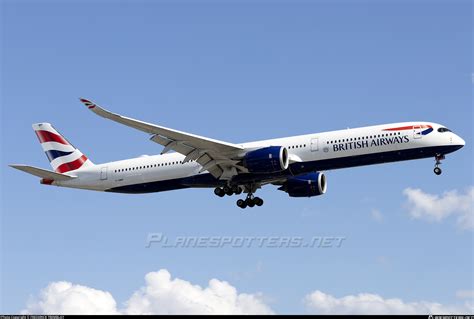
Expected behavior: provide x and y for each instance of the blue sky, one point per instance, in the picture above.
(235, 71)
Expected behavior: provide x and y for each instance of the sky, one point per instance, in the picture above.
(236, 71)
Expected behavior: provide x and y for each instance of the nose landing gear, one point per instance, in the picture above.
(438, 158)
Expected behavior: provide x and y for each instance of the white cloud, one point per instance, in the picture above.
(163, 295)
(66, 298)
(160, 295)
(438, 207)
(319, 302)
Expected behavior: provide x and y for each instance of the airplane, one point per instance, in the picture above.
(294, 164)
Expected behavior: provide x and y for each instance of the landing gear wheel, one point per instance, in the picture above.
(437, 171)
(219, 192)
(227, 190)
(250, 202)
(241, 203)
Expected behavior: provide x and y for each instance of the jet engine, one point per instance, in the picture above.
(267, 160)
(307, 185)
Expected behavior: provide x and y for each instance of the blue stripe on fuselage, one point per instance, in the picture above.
(207, 180)
(428, 131)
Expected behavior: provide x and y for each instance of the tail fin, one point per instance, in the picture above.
(62, 155)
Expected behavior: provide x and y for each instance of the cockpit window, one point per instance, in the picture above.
(443, 129)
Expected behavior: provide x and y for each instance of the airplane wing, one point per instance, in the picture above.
(43, 173)
(217, 157)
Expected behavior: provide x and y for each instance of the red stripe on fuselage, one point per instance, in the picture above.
(403, 128)
(66, 167)
(46, 136)
(400, 128)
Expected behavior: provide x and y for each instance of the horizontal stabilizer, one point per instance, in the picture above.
(43, 173)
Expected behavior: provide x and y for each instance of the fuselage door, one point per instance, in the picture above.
(417, 131)
(103, 173)
(314, 144)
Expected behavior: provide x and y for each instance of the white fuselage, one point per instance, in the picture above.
(311, 152)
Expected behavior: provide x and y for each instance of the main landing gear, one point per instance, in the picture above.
(250, 201)
(226, 190)
(438, 159)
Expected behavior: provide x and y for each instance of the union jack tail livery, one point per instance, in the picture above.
(62, 155)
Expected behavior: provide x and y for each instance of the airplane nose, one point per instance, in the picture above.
(459, 141)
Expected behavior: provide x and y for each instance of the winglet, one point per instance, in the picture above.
(98, 110)
(88, 103)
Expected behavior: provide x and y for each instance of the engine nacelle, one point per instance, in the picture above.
(307, 185)
(267, 160)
